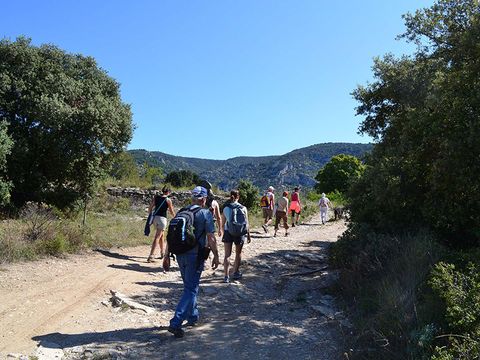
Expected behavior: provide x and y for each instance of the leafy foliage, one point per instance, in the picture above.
(65, 117)
(182, 178)
(248, 194)
(422, 176)
(339, 173)
(423, 110)
(5, 148)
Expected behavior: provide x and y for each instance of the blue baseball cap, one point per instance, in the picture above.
(199, 192)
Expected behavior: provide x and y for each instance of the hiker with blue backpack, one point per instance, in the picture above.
(190, 238)
(236, 231)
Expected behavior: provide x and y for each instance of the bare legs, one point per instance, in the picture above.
(226, 260)
(157, 242)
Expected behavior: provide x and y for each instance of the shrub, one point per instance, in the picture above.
(249, 194)
(41, 221)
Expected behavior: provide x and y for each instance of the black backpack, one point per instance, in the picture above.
(180, 236)
(237, 224)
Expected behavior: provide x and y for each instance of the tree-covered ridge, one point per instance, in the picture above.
(297, 167)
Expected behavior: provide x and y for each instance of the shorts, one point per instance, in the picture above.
(295, 208)
(160, 222)
(237, 240)
(267, 213)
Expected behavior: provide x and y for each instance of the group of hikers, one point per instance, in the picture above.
(192, 231)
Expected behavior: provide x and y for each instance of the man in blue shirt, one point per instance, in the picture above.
(191, 264)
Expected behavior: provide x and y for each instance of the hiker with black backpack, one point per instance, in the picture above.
(236, 231)
(191, 236)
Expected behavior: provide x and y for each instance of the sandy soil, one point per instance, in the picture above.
(279, 309)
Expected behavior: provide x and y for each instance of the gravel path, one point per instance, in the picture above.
(281, 309)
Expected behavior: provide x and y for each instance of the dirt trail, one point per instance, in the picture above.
(280, 309)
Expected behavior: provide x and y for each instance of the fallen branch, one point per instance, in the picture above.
(119, 299)
(307, 272)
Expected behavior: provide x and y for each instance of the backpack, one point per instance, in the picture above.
(265, 201)
(180, 236)
(237, 224)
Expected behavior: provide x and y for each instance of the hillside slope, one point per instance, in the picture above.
(297, 167)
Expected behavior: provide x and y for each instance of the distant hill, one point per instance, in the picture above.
(297, 167)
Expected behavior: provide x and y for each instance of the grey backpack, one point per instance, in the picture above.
(237, 223)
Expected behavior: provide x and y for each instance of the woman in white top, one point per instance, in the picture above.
(323, 204)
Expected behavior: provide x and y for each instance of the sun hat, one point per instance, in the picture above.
(271, 188)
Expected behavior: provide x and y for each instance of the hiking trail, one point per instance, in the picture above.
(280, 309)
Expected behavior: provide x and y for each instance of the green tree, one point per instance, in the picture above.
(248, 194)
(124, 167)
(182, 178)
(423, 110)
(5, 148)
(339, 173)
(65, 117)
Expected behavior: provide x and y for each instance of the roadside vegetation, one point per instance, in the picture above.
(410, 259)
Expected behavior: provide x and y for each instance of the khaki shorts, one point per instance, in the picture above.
(160, 222)
(267, 213)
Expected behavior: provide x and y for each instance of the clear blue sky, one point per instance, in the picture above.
(223, 78)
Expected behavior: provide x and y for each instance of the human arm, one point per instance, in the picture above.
(170, 208)
(152, 204)
(212, 244)
(220, 219)
(249, 239)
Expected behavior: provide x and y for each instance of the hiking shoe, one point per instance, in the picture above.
(237, 275)
(226, 279)
(265, 228)
(177, 332)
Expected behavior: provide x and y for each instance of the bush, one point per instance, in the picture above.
(383, 283)
(249, 194)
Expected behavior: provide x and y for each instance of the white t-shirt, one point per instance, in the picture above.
(324, 202)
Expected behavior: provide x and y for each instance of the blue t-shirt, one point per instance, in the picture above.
(203, 224)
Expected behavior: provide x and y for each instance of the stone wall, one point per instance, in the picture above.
(143, 197)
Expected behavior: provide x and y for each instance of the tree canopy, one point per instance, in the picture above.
(182, 178)
(248, 194)
(65, 117)
(423, 110)
(339, 173)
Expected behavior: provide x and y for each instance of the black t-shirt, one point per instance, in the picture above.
(161, 200)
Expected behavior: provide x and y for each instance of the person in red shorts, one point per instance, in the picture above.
(295, 206)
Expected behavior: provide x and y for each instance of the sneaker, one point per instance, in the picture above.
(226, 279)
(265, 228)
(237, 275)
(151, 259)
(177, 332)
